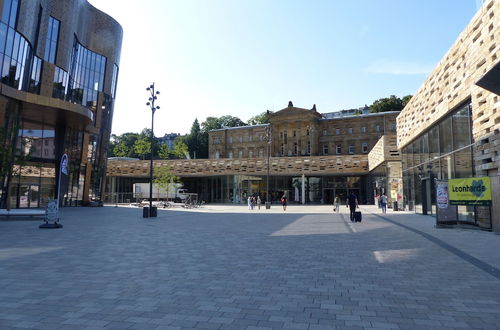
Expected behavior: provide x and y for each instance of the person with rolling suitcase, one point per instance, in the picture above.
(352, 204)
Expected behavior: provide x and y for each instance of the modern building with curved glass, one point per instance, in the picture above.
(59, 63)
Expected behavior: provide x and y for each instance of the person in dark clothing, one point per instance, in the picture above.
(352, 204)
(284, 201)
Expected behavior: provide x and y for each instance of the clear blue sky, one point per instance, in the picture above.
(241, 57)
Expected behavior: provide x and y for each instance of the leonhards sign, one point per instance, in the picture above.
(470, 191)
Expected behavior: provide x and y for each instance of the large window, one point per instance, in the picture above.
(36, 73)
(443, 152)
(9, 12)
(17, 52)
(51, 41)
(87, 76)
(60, 88)
(461, 128)
(446, 136)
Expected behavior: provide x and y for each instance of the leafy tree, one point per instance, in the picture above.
(180, 149)
(120, 150)
(406, 99)
(263, 118)
(142, 147)
(123, 145)
(210, 123)
(391, 103)
(164, 152)
(230, 121)
(164, 177)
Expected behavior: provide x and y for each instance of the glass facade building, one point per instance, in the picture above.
(235, 189)
(442, 152)
(72, 115)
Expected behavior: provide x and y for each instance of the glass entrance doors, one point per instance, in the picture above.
(28, 196)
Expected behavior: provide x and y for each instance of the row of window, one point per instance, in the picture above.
(452, 133)
(22, 70)
(351, 149)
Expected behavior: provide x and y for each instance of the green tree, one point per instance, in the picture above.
(120, 150)
(180, 149)
(142, 147)
(392, 103)
(164, 151)
(406, 99)
(230, 121)
(263, 118)
(210, 123)
(164, 178)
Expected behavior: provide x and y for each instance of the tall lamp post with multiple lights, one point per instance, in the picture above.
(269, 140)
(151, 104)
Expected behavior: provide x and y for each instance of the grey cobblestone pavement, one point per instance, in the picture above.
(225, 267)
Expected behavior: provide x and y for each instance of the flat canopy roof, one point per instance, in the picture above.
(491, 80)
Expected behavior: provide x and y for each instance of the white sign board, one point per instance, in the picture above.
(52, 211)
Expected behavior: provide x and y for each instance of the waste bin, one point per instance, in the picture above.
(146, 214)
(268, 205)
(154, 212)
(395, 206)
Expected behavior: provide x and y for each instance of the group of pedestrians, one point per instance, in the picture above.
(381, 201)
(254, 201)
(351, 203)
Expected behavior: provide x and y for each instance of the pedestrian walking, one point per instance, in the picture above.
(249, 201)
(284, 200)
(259, 201)
(336, 204)
(383, 203)
(352, 204)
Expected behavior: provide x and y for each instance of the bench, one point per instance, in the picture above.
(23, 213)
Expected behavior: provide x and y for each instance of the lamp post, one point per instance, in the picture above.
(268, 139)
(151, 104)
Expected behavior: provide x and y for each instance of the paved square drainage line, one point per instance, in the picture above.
(347, 224)
(493, 271)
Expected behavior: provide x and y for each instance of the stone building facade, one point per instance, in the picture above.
(311, 160)
(298, 132)
(59, 72)
(450, 128)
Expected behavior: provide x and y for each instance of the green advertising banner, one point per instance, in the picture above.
(470, 191)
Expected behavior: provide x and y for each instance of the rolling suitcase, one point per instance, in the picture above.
(357, 216)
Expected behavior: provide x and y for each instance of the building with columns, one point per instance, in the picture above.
(311, 158)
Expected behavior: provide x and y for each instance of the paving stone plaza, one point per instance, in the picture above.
(226, 267)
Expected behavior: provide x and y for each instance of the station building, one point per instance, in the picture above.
(59, 70)
(310, 157)
(451, 127)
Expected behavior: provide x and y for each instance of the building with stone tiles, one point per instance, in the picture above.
(450, 128)
(59, 70)
(311, 159)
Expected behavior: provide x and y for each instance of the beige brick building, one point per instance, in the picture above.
(450, 128)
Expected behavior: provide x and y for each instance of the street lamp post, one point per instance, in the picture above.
(151, 104)
(269, 140)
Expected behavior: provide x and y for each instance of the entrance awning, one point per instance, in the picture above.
(491, 80)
